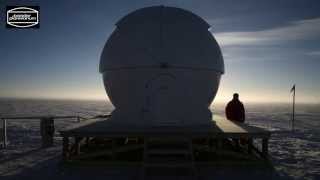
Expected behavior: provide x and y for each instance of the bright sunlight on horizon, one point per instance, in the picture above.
(264, 53)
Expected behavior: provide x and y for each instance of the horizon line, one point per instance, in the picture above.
(108, 101)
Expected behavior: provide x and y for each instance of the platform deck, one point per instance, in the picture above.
(82, 135)
(220, 128)
(149, 147)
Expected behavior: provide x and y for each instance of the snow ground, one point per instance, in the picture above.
(295, 155)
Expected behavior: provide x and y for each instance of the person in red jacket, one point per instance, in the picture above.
(235, 110)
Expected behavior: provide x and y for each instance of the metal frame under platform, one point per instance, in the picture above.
(165, 146)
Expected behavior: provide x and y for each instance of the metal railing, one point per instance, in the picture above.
(3, 135)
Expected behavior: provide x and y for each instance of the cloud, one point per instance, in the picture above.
(298, 30)
(313, 53)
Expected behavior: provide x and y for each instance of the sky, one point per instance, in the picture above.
(267, 47)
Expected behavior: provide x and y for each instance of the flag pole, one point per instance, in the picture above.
(293, 106)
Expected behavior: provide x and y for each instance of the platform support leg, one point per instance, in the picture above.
(4, 133)
(219, 143)
(250, 145)
(193, 161)
(77, 145)
(265, 143)
(87, 142)
(113, 147)
(65, 148)
(143, 168)
(47, 131)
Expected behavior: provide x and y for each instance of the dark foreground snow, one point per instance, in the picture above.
(295, 155)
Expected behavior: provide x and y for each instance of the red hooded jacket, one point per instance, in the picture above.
(235, 111)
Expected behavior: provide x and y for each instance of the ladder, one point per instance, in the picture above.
(169, 153)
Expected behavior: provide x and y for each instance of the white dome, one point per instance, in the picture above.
(162, 35)
(161, 65)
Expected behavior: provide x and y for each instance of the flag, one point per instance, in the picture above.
(293, 88)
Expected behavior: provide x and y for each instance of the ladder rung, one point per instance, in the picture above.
(167, 140)
(168, 151)
(128, 148)
(169, 164)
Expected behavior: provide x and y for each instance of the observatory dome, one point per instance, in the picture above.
(159, 64)
(155, 35)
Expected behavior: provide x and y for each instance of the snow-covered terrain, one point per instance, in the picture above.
(295, 155)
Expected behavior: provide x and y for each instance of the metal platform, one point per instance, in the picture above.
(101, 140)
(220, 129)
